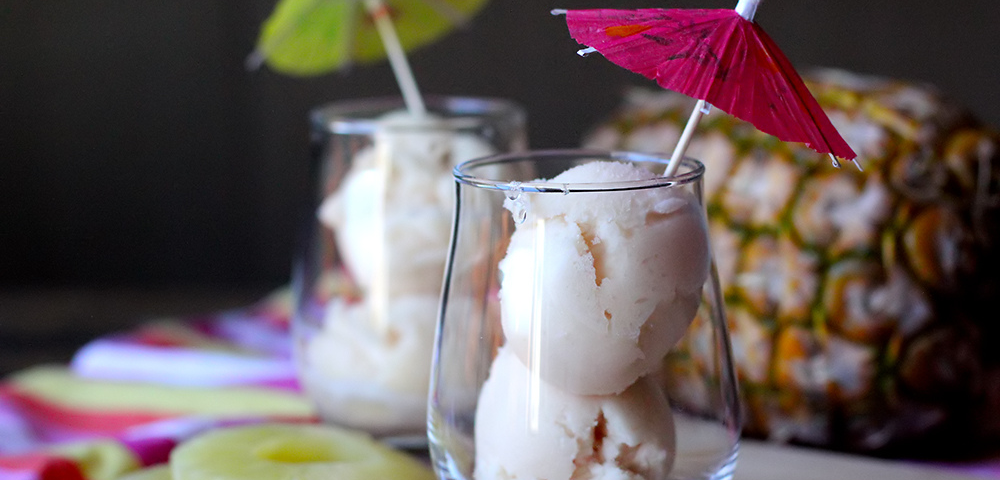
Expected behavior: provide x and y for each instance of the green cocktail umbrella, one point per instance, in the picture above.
(312, 37)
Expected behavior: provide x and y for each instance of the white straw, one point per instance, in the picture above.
(397, 57)
(685, 140)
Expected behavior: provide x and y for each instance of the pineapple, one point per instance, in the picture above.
(291, 452)
(858, 301)
(157, 472)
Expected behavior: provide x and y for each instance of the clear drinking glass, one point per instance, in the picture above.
(581, 332)
(367, 279)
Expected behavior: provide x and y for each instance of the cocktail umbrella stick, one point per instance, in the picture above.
(685, 140)
(747, 9)
(397, 57)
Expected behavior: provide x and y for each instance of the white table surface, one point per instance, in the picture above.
(763, 461)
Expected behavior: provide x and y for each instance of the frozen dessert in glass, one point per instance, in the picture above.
(371, 275)
(598, 270)
(622, 274)
(394, 205)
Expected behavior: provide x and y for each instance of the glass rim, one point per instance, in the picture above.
(462, 174)
(360, 115)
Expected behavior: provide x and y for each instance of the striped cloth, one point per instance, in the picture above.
(126, 400)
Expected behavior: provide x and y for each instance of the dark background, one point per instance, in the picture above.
(136, 150)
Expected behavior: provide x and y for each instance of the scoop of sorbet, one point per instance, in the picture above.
(597, 287)
(529, 430)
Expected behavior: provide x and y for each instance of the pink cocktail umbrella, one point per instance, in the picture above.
(719, 56)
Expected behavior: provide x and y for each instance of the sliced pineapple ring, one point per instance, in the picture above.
(159, 472)
(291, 452)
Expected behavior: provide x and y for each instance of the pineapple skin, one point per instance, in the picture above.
(860, 303)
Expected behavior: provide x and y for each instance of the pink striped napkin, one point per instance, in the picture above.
(126, 400)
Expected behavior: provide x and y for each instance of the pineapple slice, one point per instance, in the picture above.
(159, 472)
(291, 452)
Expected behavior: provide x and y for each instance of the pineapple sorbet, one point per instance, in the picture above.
(610, 281)
(626, 436)
(369, 365)
(596, 288)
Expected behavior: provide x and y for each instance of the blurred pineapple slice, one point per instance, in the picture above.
(860, 303)
(291, 452)
(158, 472)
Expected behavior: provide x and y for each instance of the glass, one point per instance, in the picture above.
(581, 333)
(367, 279)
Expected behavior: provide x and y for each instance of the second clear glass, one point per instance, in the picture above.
(367, 280)
(581, 334)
